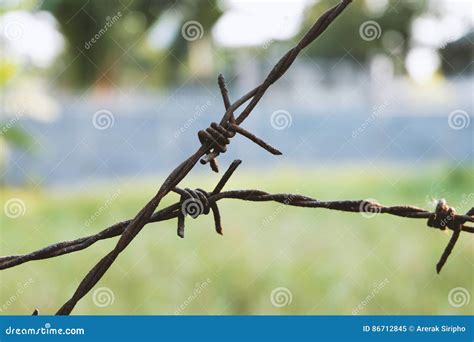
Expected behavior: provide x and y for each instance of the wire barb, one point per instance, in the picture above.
(445, 217)
(196, 202)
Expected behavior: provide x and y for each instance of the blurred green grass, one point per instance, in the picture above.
(330, 262)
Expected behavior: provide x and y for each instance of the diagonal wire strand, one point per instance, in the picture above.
(213, 142)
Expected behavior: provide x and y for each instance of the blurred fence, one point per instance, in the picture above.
(133, 134)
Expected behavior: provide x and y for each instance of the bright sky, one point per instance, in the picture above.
(247, 23)
(31, 37)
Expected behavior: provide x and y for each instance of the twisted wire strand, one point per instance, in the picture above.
(214, 141)
(171, 212)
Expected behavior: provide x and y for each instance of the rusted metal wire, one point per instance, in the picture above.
(443, 217)
(214, 141)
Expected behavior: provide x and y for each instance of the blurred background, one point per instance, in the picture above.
(101, 99)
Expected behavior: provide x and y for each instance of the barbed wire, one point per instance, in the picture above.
(202, 202)
(214, 141)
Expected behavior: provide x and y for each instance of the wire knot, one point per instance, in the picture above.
(444, 216)
(217, 137)
(199, 202)
(194, 202)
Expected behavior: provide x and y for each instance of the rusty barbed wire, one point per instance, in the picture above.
(442, 218)
(214, 141)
